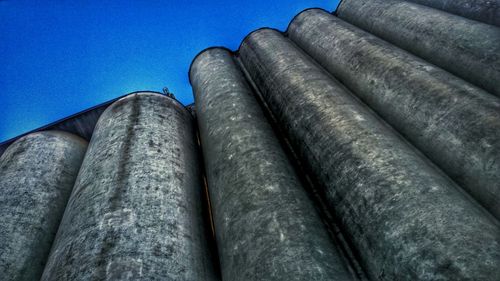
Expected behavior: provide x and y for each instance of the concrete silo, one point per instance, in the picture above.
(452, 122)
(135, 211)
(37, 173)
(466, 48)
(267, 227)
(406, 219)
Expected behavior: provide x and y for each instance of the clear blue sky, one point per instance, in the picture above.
(60, 57)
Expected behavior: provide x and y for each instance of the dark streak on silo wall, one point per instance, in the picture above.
(452, 122)
(466, 48)
(135, 212)
(266, 225)
(37, 173)
(487, 11)
(407, 220)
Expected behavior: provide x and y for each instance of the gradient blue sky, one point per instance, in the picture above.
(61, 57)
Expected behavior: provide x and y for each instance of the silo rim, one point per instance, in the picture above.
(255, 31)
(201, 52)
(43, 134)
(335, 13)
(305, 10)
(149, 92)
(235, 52)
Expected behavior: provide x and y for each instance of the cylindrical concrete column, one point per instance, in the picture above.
(135, 212)
(454, 123)
(267, 227)
(466, 48)
(406, 219)
(487, 11)
(37, 173)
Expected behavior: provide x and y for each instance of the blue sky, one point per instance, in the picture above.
(61, 57)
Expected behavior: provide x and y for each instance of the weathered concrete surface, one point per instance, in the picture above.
(37, 173)
(135, 212)
(454, 123)
(267, 228)
(464, 47)
(487, 11)
(407, 220)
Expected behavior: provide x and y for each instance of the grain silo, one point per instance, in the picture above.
(454, 123)
(135, 211)
(266, 225)
(37, 174)
(359, 145)
(402, 216)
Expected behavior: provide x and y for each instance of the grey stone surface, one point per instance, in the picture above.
(135, 212)
(454, 123)
(407, 220)
(487, 11)
(37, 173)
(266, 225)
(466, 48)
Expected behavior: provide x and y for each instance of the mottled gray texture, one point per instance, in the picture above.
(406, 219)
(487, 11)
(135, 212)
(37, 173)
(466, 48)
(454, 123)
(267, 227)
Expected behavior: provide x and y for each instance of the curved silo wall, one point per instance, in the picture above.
(466, 48)
(406, 219)
(37, 173)
(135, 211)
(487, 11)
(454, 123)
(266, 225)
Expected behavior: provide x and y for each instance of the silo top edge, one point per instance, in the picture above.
(305, 11)
(152, 93)
(335, 13)
(254, 32)
(235, 52)
(203, 51)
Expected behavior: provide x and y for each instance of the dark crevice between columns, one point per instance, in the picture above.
(207, 205)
